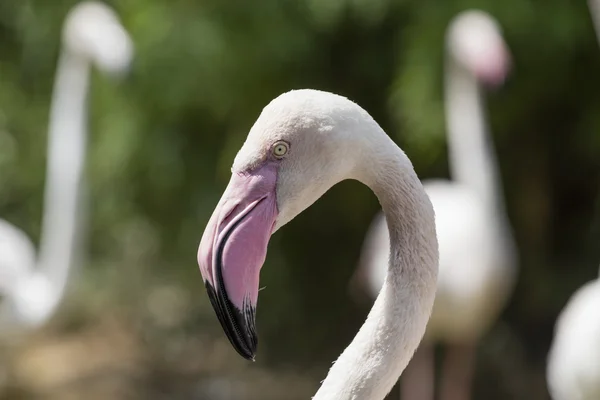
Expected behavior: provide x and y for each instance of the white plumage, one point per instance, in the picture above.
(477, 268)
(573, 370)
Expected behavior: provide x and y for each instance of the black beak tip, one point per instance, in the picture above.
(250, 356)
(240, 330)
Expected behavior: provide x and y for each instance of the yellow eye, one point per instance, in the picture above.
(280, 149)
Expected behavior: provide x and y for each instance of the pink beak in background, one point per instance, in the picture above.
(233, 249)
(494, 69)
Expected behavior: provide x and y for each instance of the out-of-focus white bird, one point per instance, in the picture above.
(31, 286)
(573, 370)
(573, 367)
(477, 253)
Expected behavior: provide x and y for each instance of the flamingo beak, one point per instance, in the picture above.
(233, 249)
(493, 70)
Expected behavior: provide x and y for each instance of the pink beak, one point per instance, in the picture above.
(233, 249)
(494, 69)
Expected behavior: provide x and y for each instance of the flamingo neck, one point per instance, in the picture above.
(370, 366)
(64, 172)
(594, 6)
(472, 160)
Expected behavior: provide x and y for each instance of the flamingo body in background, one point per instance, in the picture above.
(477, 255)
(573, 367)
(303, 143)
(573, 370)
(32, 285)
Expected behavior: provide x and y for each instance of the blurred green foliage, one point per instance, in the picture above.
(162, 143)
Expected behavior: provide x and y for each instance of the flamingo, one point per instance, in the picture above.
(34, 286)
(477, 252)
(573, 368)
(573, 364)
(303, 143)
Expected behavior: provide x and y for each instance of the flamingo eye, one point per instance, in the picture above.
(280, 149)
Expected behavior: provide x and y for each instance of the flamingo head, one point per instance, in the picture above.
(298, 148)
(474, 40)
(92, 30)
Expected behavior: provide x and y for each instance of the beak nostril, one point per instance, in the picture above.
(231, 214)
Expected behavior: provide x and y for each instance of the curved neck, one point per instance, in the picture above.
(65, 168)
(370, 366)
(472, 160)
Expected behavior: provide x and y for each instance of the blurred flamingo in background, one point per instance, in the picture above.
(477, 253)
(34, 286)
(573, 367)
(573, 370)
